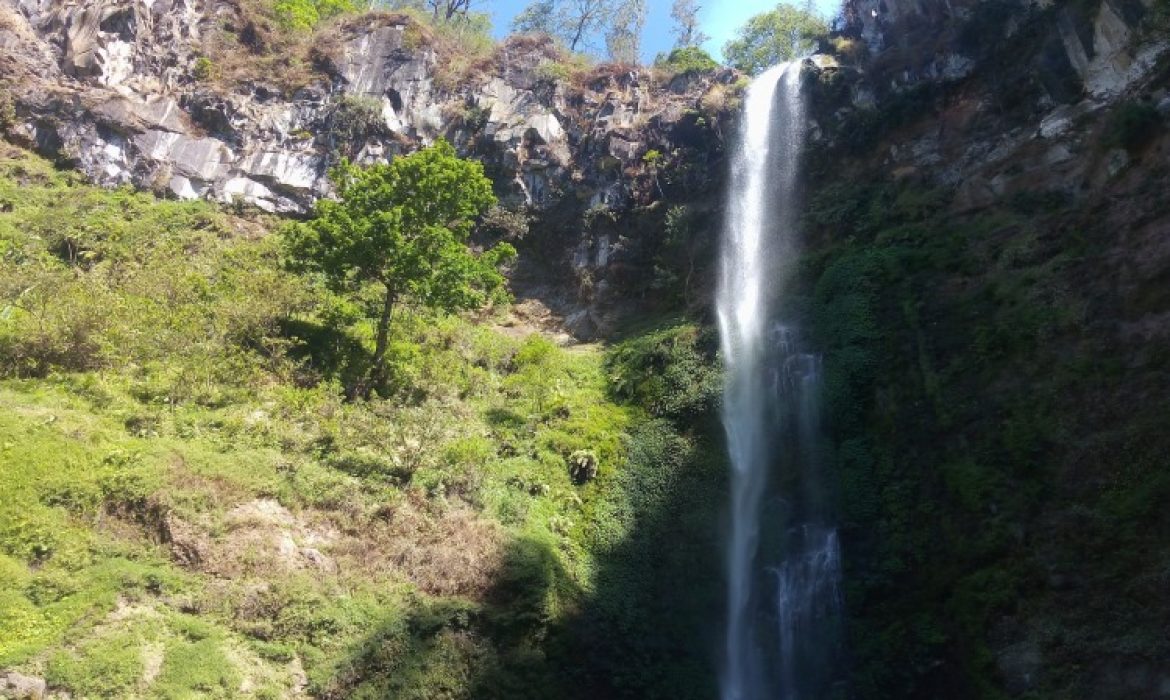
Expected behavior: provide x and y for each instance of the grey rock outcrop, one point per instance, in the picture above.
(21, 687)
(111, 86)
(1093, 43)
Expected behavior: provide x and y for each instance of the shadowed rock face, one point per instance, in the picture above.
(1018, 91)
(1092, 43)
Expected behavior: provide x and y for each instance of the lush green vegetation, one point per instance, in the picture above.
(773, 37)
(303, 15)
(403, 226)
(979, 449)
(687, 60)
(193, 508)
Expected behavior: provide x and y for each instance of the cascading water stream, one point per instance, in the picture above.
(770, 414)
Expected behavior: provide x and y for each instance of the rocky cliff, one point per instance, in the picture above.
(1016, 90)
(986, 224)
(202, 100)
(185, 98)
(124, 90)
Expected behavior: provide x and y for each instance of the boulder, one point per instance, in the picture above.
(21, 687)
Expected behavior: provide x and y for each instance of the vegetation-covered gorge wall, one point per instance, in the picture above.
(985, 274)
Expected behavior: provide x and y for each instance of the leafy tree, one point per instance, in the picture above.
(687, 59)
(447, 10)
(685, 14)
(403, 226)
(773, 37)
(541, 17)
(582, 18)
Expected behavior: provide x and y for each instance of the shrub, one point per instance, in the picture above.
(101, 668)
(670, 372)
(7, 111)
(200, 668)
(304, 15)
(553, 72)
(204, 69)
(352, 120)
(1132, 125)
(687, 59)
(583, 466)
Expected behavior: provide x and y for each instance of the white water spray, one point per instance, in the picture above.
(769, 407)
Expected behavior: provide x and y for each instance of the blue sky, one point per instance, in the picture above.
(719, 18)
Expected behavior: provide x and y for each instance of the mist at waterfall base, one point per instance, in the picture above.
(782, 558)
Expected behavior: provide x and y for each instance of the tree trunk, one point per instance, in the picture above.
(579, 33)
(378, 371)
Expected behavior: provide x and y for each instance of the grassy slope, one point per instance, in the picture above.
(191, 508)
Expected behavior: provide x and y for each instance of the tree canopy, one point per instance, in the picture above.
(772, 37)
(404, 226)
(303, 15)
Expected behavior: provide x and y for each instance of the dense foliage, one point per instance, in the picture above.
(193, 508)
(687, 59)
(303, 15)
(404, 227)
(980, 450)
(774, 37)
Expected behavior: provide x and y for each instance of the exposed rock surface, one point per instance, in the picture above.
(111, 85)
(1091, 43)
(1018, 91)
(121, 90)
(21, 687)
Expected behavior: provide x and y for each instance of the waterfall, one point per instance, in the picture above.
(770, 414)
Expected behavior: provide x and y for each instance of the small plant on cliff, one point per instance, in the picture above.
(204, 69)
(403, 227)
(352, 119)
(1132, 126)
(7, 111)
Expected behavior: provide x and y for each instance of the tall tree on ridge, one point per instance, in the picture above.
(447, 10)
(623, 38)
(685, 14)
(582, 19)
(576, 23)
(541, 17)
(782, 34)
